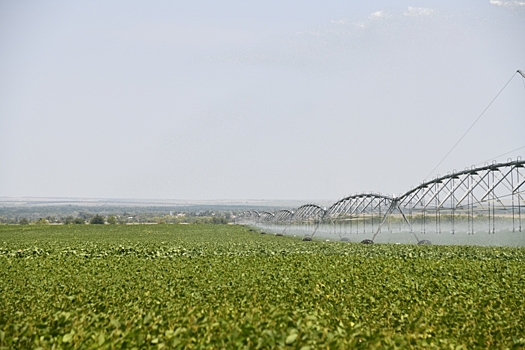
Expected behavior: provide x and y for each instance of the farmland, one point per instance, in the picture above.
(221, 286)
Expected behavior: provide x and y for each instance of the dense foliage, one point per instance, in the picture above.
(97, 220)
(221, 286)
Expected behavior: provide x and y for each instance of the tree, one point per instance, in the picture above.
(79, 221)
(23, 221)
(112, 220)
(68, 220)
(97, 220)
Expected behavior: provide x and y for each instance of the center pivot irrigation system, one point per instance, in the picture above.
(488, 199)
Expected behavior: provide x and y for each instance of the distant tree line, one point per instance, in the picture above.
(200, 217)
(118, 215)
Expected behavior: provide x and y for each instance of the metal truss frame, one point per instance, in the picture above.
(490, 192)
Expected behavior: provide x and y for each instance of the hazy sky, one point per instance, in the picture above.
(253, 99)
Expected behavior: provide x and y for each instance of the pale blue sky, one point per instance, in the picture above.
(253, 100)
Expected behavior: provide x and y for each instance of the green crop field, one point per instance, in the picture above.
(223, 287)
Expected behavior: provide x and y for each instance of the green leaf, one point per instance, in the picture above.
(67, 338)
(291, 338)
(101, 339)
